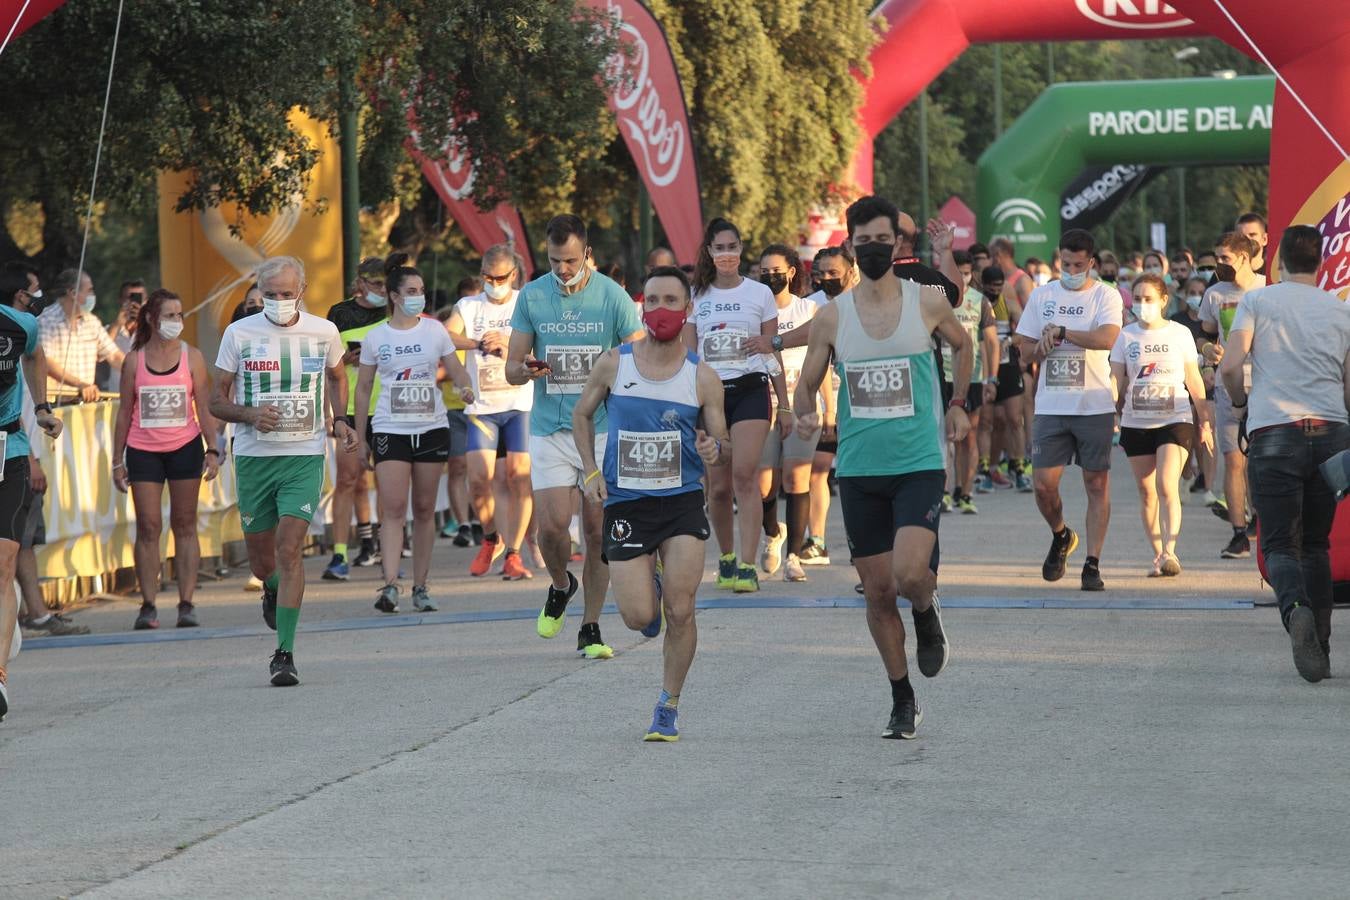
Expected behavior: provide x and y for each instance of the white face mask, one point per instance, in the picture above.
(89, 302)
(281, 311)
(497, 291)
(1148, 313)
(727, 263)
(1153, 270)
(36, 295)
(1073, 282)
(1042, 279)
(575, 280)
(375, 299)
(414, 304)
(170, 330)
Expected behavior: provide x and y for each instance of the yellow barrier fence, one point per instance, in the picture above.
(90, 524)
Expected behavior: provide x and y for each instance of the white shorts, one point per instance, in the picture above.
(554, 461)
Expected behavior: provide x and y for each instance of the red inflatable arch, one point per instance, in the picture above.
(1306, 41)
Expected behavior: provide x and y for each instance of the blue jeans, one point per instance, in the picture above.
(1296, 507)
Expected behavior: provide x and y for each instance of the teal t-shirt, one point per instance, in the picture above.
(18, 338)
(570, 332)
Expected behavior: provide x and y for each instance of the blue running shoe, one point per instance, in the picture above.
(663, 725)
(337, 570)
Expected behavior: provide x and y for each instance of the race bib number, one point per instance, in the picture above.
(880, 390)
(299, 417)
(570, 366)
(1153, 400)
(414, 401)
(1066, 371)
(163, 406)
(724, 345)
(649, 460)
(492, 375)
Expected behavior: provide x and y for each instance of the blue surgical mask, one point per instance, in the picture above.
(375, 299)
(1193, 302)
(89, 302)
(1073, 282)
(414, 304)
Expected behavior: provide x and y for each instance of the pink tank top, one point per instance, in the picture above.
(165, 415)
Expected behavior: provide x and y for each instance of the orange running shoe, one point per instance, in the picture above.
(487, 555)
(513, 569)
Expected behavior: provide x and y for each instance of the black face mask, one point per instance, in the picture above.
(832, 287)
(992, 294)
(1224, 273)
(1109, 275)
(874, 260)
(776, 281)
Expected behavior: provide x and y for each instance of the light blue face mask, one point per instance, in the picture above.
(414, 304)
(89, 302)
(1073, 282)
(376, 300)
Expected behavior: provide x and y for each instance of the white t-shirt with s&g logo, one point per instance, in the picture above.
(1155, 374)
(724, 319)
(1073, 381)
(406, 361)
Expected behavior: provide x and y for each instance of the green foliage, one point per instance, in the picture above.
(207, 86)
(772, 99)
(961, 126)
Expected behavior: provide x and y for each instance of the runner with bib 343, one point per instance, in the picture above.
(1069, 326)
(892, 445)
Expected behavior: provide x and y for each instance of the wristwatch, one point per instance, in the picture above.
(776, 342)
(1062, 331)
(993, 381)
(41, 408)
(959, 403)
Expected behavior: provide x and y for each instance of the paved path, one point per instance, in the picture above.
(1100, 749)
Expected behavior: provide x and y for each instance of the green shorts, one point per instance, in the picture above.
(274, 486)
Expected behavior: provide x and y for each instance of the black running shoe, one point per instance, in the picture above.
(464, 537)
(368, 556)
(1198, 486)
(1240, 547)
(269, 604)
(1309, 658)
(1092, 578)
(905, 719)
(931, 647)
(386, 601)
(1060, 548)
(477, 533)
(282, 668)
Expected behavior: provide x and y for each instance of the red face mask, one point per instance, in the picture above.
(664, 324)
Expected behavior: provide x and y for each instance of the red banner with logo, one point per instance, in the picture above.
(1309, 45)
(649, 105)
(452, 179)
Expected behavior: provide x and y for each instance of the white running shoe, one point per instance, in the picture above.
(772, 557)
(792, 569)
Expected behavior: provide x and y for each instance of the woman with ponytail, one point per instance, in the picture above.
(728, 311)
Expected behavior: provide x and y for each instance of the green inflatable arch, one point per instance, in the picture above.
(1171, 122)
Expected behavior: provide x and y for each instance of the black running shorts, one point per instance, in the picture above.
(636, 528)
(910, 500)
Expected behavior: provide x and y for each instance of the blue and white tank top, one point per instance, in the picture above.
(650, 451)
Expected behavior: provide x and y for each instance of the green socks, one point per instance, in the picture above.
(287, 619)
(273, 582)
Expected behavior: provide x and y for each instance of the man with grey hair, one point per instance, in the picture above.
(74, 340)
(274, 373)
(499, 416)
